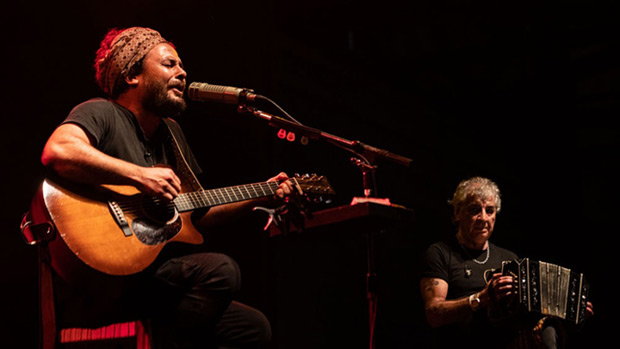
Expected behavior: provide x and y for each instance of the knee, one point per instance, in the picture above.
(263, 328)
(243, 326)
(209, 271)
(220, 271)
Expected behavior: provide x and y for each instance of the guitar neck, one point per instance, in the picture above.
(214, 197)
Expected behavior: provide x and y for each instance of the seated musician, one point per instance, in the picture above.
(119, 140)
(460, 305)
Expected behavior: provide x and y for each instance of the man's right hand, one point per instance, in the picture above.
(500, 286)
(161, 182)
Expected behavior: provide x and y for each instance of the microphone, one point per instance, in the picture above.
(203, 92)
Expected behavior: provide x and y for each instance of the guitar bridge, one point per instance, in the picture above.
(119, 217)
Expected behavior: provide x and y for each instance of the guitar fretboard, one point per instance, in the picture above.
(213, 197)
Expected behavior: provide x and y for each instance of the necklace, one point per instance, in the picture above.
(468, 272)
(473, 259)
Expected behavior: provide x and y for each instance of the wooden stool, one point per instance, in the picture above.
(133, 334)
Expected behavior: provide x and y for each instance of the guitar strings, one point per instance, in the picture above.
(210, 197)
(213, 196)
(217, 195)
(137, 204)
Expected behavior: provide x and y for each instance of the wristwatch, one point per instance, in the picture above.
(474, 301)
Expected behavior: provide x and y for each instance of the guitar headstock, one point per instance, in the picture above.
(313, 184)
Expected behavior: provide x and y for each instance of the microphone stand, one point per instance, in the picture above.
(363, 150)
(366, 155)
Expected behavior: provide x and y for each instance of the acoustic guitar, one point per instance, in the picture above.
(118, 230)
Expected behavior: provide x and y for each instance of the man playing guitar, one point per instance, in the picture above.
(119, 141)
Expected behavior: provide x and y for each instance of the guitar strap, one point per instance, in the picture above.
(181, 164)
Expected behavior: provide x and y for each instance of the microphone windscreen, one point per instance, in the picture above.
(201, 91)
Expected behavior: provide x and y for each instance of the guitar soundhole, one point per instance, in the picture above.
(157, 210)
(159, 223)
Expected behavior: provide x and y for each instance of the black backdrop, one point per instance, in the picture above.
(525, 93)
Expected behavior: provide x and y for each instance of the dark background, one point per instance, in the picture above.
(525, 93)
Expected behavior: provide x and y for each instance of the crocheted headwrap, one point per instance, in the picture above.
(120, 50)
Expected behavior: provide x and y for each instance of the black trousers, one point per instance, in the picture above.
(199, 311)
(188, 299)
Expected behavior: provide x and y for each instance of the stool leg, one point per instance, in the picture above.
(47, 315)
(143, 334)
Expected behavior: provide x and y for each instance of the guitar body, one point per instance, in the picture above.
(116, 230)
(86, 224)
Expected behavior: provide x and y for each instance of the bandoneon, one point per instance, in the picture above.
(549, 289)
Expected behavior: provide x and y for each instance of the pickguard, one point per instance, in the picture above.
(158, 222)
(153, 233)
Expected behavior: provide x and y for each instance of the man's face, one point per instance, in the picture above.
(164, 80)
(476, 220)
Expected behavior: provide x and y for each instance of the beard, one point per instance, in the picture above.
(158, 102)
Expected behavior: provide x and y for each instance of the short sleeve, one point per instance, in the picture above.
(90, 116)
(436, 263)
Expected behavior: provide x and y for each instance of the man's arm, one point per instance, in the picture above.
(222, 214)
(69, 152)
(438, 310)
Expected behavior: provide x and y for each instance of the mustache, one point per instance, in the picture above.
(179, 85)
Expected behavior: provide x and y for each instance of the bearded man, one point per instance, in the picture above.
(119, 141)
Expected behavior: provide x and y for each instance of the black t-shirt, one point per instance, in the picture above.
(449, 261)
(115, 131)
